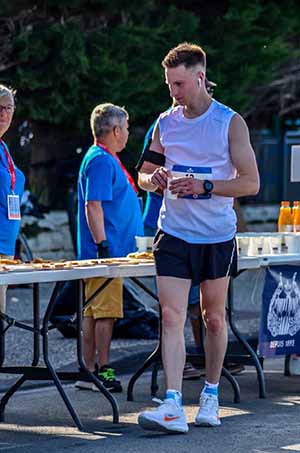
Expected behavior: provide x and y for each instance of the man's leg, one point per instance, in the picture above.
(89, 350)
(103, 336)
(170, 417)
(107, 307)
(214, 294)
(189, 371)
(213, 311)
(194, 313)
(89, 347)
(173, 295)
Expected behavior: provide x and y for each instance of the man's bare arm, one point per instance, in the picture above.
(95, 220)
(151, 176)
(243, 159)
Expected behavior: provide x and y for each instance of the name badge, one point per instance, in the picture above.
(13, 204)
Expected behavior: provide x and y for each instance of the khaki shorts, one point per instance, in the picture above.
(108, 303)
(3, 288)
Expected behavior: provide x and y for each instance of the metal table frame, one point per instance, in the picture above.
(155, 359)
(244, 263)
(47, 372)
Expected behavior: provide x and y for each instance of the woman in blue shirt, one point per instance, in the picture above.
(11, 186)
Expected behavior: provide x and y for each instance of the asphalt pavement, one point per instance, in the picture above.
(36, 419)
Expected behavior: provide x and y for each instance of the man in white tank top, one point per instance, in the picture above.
(201, 157)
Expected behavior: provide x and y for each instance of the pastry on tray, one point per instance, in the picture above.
(141, 255)
(40, 260)
(114, 260)
(9, 261)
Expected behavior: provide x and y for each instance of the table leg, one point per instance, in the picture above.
(154, 385)
(36, 350)
(36, 324)
(8, 394)
(234, 384)
(48, 364)
(2, 342)
(99, 385)
(246, 345)
(152, 358)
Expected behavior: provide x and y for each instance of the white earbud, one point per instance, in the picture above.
(199, 82)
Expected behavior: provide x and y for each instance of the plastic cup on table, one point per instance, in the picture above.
(275, 243)
(243, 243)
(257, 245)
(292, 243)
(144, 243)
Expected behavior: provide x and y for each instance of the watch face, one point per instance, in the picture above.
(208, 186)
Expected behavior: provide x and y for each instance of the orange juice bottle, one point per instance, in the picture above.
(295, 206)
(296, 217)
(285, 224)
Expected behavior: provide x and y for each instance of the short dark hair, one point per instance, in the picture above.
(185, 53)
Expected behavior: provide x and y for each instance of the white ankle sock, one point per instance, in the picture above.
(210, 389)
(172, 394)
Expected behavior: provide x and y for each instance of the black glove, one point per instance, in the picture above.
(103, 250)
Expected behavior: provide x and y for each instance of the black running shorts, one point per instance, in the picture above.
(197, 262)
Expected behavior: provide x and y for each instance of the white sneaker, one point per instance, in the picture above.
(208, 413)
(84, 385)
(169, 417)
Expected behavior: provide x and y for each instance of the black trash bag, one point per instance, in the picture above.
(63, 314)
(138, 322)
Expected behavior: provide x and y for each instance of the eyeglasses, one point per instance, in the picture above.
(7, 108)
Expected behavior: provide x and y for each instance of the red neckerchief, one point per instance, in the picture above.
(11, 168)
(127, 174)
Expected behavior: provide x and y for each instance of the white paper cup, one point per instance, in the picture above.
(144, 243)
(292, 243)
(170, 195)
(267, 245)
(275, 244)
(243, 243)
(256, 245)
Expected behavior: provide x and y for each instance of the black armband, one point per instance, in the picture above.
(151, 156)
(155, 158)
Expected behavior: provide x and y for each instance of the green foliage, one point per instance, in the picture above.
(252, 41)
(53, 62)
(66, 68)
(80, 53)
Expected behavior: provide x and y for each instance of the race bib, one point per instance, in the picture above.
(182, 171)
(13, 204)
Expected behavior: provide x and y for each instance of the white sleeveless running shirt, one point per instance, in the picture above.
(199, 145)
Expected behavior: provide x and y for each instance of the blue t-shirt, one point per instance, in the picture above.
(102, 179)
(153, 200)
(9, 229)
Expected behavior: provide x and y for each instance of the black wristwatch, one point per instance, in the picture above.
(207, 186)
(103, 251)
